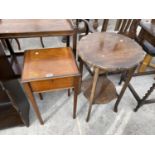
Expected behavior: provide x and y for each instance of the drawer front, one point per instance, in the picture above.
(47, 85)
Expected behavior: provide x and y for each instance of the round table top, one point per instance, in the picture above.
(110, 51)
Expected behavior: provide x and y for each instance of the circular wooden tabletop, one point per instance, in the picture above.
(110, 51)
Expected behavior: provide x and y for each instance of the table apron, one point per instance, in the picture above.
(52, 84)
(28, 35)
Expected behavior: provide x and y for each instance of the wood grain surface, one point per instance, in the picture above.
(10, 28)
(48, 63)
(110, 51)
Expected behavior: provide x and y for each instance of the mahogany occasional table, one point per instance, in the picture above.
(47, 70)
(107, 52)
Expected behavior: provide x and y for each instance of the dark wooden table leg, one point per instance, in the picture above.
(32, 101)
(127, 80)
(75, 42)
(13, 55)
(81, 71)
(138, 106)
(142, 101)
(76, 90)
(69, 93)
(93, 92)
(81, 66)
(68, 41)
(122, 77)
(105, 25)
(42, 42)
(18, 43)
(40, 96)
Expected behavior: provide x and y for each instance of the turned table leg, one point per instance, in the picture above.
(127, 80)
(93, 92)
(32, 101)
(142, 101)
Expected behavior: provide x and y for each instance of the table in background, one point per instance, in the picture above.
(26, 28)
(107, 52)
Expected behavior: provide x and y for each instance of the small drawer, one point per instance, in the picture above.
(46, 85)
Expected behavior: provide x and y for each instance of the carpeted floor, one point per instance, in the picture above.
(56, 109)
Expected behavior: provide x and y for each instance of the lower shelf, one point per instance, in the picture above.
(105, 90)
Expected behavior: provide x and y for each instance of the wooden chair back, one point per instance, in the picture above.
(104, 24)
(127, 27)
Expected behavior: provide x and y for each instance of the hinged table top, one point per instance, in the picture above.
(48, 63)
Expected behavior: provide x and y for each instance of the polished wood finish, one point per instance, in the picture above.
(45, 85)
(47, 63)
(109, 52)
(47, 70)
